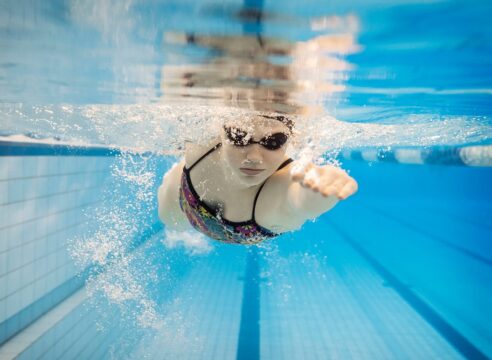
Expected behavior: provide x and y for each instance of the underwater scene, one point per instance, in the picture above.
(340, 202)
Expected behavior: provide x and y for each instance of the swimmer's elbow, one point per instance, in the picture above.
(161, 201)
(167, 195)
(166, 213)
(169, 212)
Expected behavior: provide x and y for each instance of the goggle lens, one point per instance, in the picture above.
(241, 138)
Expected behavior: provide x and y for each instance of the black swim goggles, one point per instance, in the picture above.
(241, 138)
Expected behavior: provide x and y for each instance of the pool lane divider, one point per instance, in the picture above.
(249, 328)
(446, 330)
(480, 155)
(461, 156)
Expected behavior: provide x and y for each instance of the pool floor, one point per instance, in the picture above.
(310, 308)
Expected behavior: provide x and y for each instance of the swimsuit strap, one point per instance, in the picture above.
(204, 155)
(284, 164)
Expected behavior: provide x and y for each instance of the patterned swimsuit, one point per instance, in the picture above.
(209, 221)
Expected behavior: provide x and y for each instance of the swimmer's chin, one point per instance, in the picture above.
(243, 179)
(250, 180)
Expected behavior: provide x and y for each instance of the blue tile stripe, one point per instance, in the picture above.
(38, 308)
(12, 148)
(455, 338)
(249, 328)
(16, 323)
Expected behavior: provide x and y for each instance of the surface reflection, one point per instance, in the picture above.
(415, 60)
(260, 72)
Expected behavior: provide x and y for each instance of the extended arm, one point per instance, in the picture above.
(314, 190)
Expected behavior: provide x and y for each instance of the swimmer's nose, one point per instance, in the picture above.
(253, 153)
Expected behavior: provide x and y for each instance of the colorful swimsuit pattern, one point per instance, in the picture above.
(209, 222)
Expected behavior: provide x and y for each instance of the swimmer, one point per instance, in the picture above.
(242, 188)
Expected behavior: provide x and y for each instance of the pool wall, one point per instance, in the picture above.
(43, 199)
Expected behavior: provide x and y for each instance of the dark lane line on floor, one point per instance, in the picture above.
(457, 340)
(436, 238)
(249, 329)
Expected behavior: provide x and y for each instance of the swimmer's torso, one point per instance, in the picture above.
(214, 222)
(210, 183)
(214, 187)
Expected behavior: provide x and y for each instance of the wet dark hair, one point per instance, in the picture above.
(285, 120)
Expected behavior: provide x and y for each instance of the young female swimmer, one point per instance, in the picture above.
(242, 188)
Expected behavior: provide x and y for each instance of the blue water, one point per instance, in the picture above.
(402, 270)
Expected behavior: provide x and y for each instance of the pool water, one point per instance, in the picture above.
(96, 98)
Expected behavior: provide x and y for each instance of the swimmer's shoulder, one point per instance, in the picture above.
(168, 199)
(194, 151)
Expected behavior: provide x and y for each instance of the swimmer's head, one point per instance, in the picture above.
(258, 143)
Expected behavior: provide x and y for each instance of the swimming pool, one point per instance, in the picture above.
(401, 270)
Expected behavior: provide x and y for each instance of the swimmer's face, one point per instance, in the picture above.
(243, 160)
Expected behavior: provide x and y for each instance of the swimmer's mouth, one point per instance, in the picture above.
(251, 171)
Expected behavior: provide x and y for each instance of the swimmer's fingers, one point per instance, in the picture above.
(319, 178)
(348, 189)
(316, 178)
(333, 187)
(324, 179)
(327, 180)
(299, 171)
(336, 182)
(297, 176)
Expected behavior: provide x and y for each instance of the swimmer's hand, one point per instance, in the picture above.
(327, 180)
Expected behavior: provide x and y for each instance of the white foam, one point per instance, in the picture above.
(111, 243)
(164, 129)
(193, 242)
(305, 158)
